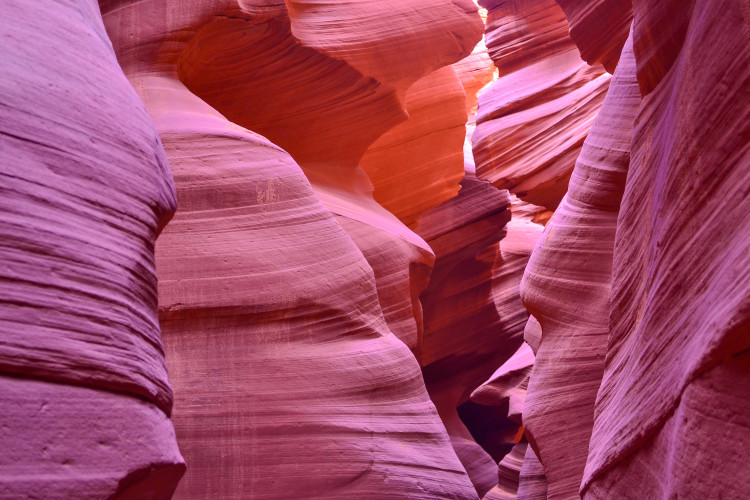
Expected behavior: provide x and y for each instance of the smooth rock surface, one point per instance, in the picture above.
(599, 28)
(288, 381)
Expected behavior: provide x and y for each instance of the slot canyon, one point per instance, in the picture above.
(375, 249)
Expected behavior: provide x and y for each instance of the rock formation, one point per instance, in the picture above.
(355, 189)
(272, 318)
(532, 121)
(628, 383)
(567, 286)
(673, 395)
(84, 191)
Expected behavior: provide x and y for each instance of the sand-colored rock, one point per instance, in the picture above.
(671, 398)
(84, 191)
(566, 288)
(532, 121)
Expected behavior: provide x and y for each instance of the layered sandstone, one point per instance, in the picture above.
(671, 398)
(566, 288)
(84, 191)
(287, 378)
(532, 121)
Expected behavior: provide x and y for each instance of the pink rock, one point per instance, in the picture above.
(479, 278)
(532, 484)
(566, 288)
(288, 382)
(532, 121)
(508, 471)
(479, 465)
(670, 400)
(599, 28)
(326, 103)
(508, 384)
(84, 191)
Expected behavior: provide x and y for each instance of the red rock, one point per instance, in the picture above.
(599, 28)
(475, 71)
(288, 382)
(479, 278)
(532, 121)
(508, 471)
(326, 103)
(84, 191)
(566, 288)
(532, 484)
(419, 163)
(671, 397)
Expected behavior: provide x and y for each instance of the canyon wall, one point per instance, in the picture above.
(289, 297)
(638, 288)
(85, 189)
(395, 260)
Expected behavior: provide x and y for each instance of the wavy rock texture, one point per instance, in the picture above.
(670, 401)
(508, 471)
(419, 163)
(325, 98)
(84, 191)
(532, 121)
(566, 288)
(506, 388)
(508, 384)
(479, 278)
(532, 484)
(288, 383)
(599, 28)
(463, 341)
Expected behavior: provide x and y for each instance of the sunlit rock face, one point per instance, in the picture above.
(84, 191)
(281, 278)
(532, 121)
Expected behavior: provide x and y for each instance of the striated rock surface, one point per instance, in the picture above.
(508, 384)
(532, 484)
(508, 471)
(671, 399)
(532, 121)
(473, 316)
(323, 96)
(566, 288)
(84, 191)
(288, 382)
(419, 163)
(599, 28)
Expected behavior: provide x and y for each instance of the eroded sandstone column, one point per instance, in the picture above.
(84, 191)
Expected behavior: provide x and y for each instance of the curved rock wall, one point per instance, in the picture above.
(680, 312)
(288, 381)
(566, 287)
(84, 191)
(532, 121)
